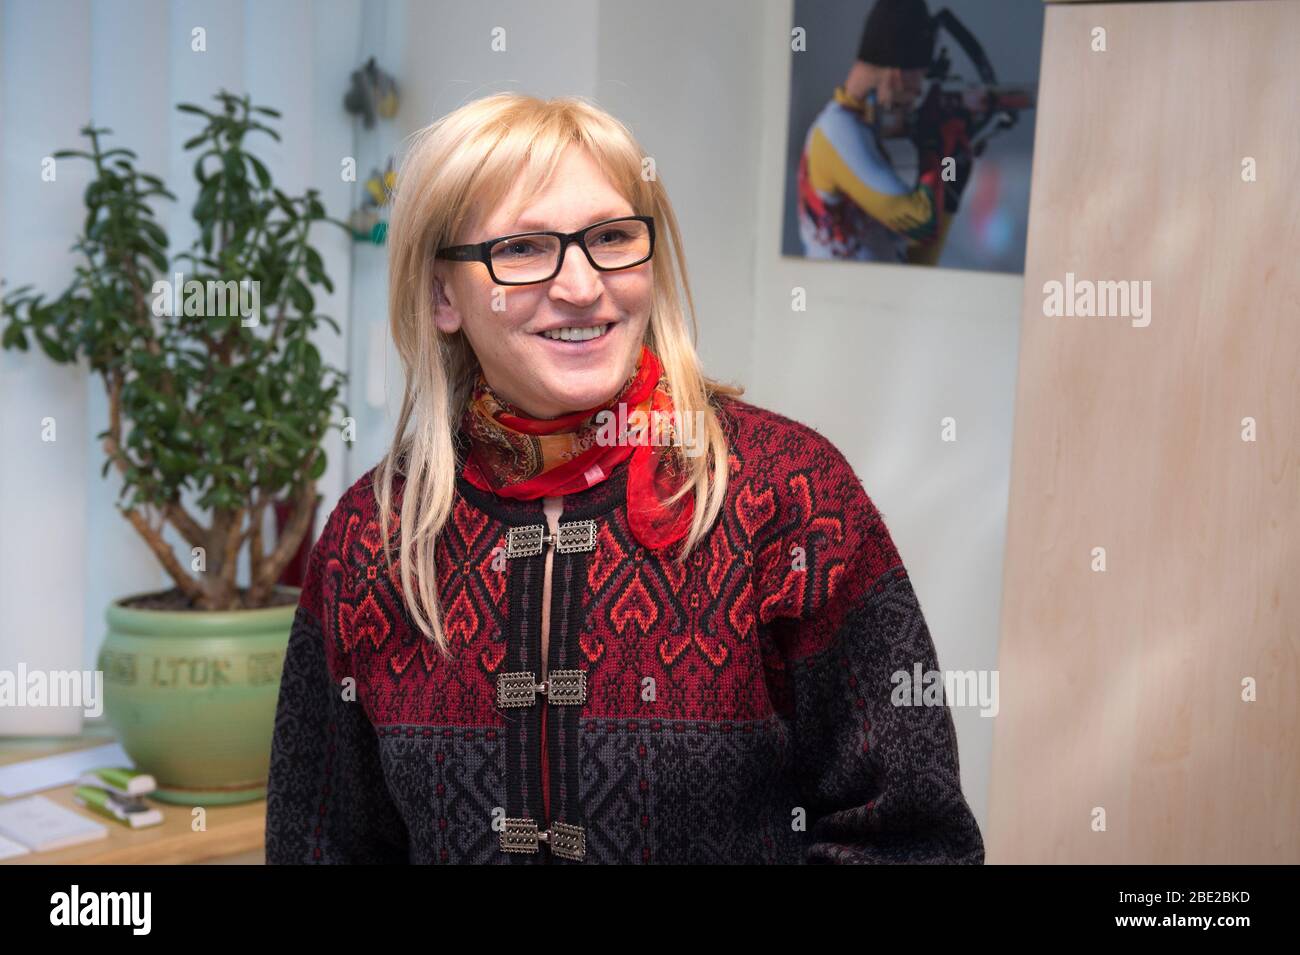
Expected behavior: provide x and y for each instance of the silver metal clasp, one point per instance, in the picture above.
(576, 536)
(566, 687)
(565, 840)
(520, 688)
(526, 541)
(519, 835)
(568, 842)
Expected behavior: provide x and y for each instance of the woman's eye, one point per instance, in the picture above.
(518, 248)
(610, 236)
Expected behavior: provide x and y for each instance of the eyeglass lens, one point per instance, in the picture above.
(613, 245)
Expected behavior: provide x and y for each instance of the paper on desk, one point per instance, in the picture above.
(9, 849)
(48, 772)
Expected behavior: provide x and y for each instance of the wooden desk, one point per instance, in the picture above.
(234, 834)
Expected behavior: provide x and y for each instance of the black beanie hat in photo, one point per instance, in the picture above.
(898, 33)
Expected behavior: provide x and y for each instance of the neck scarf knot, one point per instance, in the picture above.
(520, 457)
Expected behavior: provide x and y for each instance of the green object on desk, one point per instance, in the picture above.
(118, 779)
(134, 814)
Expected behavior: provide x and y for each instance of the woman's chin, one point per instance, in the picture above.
(580, 398)
(586, 386)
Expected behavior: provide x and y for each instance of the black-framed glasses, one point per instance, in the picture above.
(528, 257)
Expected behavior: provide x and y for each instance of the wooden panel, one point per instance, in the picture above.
(1122, 690)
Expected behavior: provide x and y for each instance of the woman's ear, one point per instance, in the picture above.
(446, 318)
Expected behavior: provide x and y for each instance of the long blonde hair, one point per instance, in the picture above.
(454, 169)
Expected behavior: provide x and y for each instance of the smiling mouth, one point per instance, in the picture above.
(585, 333)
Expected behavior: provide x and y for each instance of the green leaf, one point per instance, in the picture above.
(266, 129)
(14, 337)
(263, 176)
(301, 297)
(51, 348)
(317, 466)
(234, 167)
(198, 166)
(155, 231)
(314, 263)
(311, 359)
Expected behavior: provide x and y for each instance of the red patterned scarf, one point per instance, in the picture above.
(524, 458)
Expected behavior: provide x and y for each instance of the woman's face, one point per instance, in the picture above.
(541, 376)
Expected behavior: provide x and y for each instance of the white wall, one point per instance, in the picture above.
(683, 76)
(43, 484)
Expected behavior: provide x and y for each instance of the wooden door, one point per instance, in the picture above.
(1122, 689)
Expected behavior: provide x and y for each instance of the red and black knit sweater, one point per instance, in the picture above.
(736, 710)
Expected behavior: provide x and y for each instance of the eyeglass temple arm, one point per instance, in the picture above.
(461, 253)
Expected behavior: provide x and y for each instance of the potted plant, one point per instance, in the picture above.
(217, 406)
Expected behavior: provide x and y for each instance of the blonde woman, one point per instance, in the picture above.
(591, 606)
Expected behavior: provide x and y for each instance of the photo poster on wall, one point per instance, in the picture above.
(911, 131)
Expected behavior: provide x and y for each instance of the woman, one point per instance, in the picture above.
(631, 617)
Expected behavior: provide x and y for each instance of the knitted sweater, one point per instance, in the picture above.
(734, 710)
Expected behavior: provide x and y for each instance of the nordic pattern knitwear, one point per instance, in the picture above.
(736, 710)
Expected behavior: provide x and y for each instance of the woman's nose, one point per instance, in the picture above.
(577, 279)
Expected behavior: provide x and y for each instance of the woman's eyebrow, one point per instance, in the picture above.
(528, 223)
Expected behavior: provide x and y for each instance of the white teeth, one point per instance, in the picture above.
(576, 334)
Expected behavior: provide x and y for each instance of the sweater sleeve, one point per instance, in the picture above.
(327, 801)
(880, 781)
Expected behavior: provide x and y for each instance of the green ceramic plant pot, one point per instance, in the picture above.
(192, 694)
